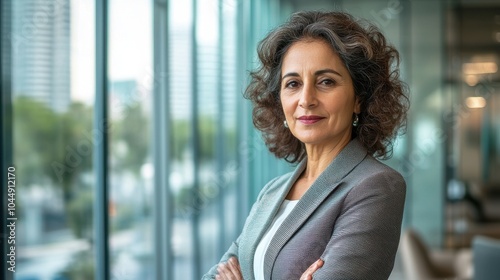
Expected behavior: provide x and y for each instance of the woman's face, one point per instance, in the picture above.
(317, 93)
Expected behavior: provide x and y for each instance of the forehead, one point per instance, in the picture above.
(311, 53)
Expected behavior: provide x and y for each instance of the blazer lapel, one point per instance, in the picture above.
(348, 158)
(263, 217)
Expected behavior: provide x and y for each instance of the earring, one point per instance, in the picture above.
(356, 120)
(285, 123)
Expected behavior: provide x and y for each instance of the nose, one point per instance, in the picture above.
(308, 96)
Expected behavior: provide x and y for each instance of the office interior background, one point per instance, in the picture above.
(134, 151)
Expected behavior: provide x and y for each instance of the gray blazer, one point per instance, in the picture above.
(350, 217)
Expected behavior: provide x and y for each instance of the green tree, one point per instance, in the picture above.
(179, 138)
(53, 147)
(33, 140)
(132, 133)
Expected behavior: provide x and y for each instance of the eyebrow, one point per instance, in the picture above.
(317, 73)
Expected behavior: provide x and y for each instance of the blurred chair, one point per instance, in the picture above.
(486, 252)
(421, 263)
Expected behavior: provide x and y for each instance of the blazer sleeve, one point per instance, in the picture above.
(366, 234)
(233, 249)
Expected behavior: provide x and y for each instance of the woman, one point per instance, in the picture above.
(327, 95)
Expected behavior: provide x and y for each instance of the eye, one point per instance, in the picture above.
(327, 82)
(292, 84)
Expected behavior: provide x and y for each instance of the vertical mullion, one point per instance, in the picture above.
(101, 124)
(163, 198)
(243, 185)
(220, 131)
(195, 146)
(5, 129)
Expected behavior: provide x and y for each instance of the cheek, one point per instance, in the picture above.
(287, 105)
(339, 108)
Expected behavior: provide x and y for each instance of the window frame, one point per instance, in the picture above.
(5, 127)
(101, 215)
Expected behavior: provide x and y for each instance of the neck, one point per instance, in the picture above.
(320, 156)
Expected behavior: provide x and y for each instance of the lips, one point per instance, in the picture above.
(309, 119)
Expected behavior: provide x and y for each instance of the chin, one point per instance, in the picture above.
(311, 139)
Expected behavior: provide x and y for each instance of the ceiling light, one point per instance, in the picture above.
(471, 80)
(475, 102)
(474, 68)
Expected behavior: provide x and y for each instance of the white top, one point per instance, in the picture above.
(258, 261)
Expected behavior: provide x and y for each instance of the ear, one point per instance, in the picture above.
(357, 105)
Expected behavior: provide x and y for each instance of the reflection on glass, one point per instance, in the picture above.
(131, 170)
(182, 175)
(207, 89)
(53, 92)
(203, 98)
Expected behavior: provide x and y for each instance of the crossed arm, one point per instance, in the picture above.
(231, 270)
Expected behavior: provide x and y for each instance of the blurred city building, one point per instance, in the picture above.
(40, 40)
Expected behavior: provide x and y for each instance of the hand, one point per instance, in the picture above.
(307, 275)
(230, 270)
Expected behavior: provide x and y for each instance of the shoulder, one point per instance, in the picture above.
(371, 168)
(372, 176)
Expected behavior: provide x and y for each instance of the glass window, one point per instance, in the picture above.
(209, 169)
(182, 172)
(130, 177)
(53, 94)
(203, 110)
